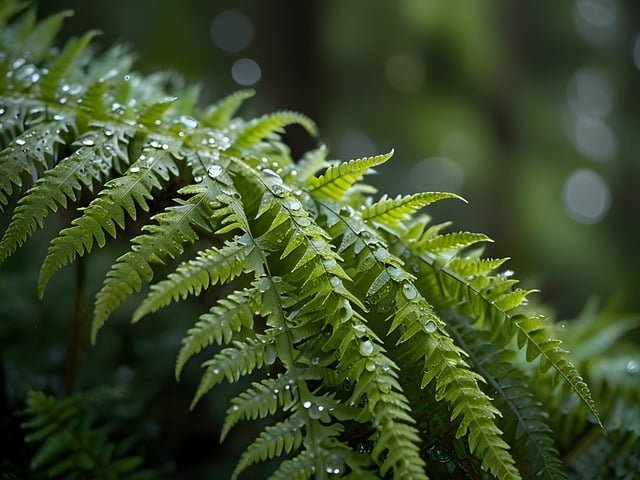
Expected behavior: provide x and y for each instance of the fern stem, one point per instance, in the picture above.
(75, 329)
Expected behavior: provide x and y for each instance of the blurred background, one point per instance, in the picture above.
(529, 110)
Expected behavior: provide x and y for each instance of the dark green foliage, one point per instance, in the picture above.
(378, 346)
(72, 445)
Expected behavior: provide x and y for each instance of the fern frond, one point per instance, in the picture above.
(257, 129)
(174, 227)
(259, 401)
(219, 114)
(525, 420)
(52, 81)
(391, 211)
(66, 180)
(231, 314)
(43, 34)
(300, 467)
(72, 445)
(211, 266)
(232, 363)
(107, 211)
(284, 437)
(335, 182)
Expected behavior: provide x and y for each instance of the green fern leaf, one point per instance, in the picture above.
(151, 116)
(231, 363)
(300, 467)
(41, 39)
(339, 178)
(259, 401)
(452, 241)
(219, 115)
(52, 81)
(392, 211)
(210, 267)
(175, 227)
(70, 444)
(33, 148)
(284, 437)
(230, 315)
(106, 211)
(74, 174)
(260, 128)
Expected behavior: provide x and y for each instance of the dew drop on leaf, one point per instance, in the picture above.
(87, 142)
(366, 348)
(335, 465)
(134, 169)
(214, 171)
(370, 366)
(20, 141)
(409, 291)
(632, 367)
(430, 326)
(347, 385)
(345, 312)
(439, 453)
(307, 404)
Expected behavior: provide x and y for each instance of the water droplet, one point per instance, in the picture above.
(235, 408)
(345, 312)
(439, 453)
(307, 404)
(360, 328)
(370, 366)
(293, 204)
(214, 171)
(107, 132)
(366, 348)
(216, 371)
(134, 169)
(347, 211)
(273, 177)
(88, 142)
(20, 141)
(315, 411)
(276, 391)
(336, 282)
(335, 465)
(347, 385)
(188, 122)
(315, 361)
(328, 331)
(632, 367)
(430, 326)
(409, 291)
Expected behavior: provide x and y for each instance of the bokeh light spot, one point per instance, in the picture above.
(588, 93)
(586, 196)
(246, 72)
(596, 20)
(594, 139)
(231, 31)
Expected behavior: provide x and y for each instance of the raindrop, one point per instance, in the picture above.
(188, 122)
(345, 312)
(430, 326)
(315, 361)
(20, 141)
(134, 169)
(307, 404)
(107, 132)
(347, 211)
(370, 366)
(632, 367)
(409, 291)
(347, 385)
(246, 72)
(293, 204)
(214, 171)
(366, 348)
(336, 282)
(335, 465)
(235, 408)
(315, 411)
(439, 453)
(88, 142)
(216, 371)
